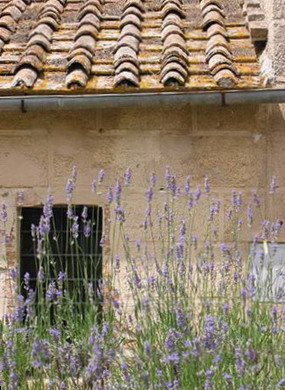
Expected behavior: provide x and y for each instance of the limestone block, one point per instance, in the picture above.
(277, 158)
(228, 119)
(23, 160)
(169, 119)
(116, 152)
(227, 160)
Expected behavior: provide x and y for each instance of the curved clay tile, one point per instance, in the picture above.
(126, 63)
(174, 61)
(9, 18)
(82, 52)
(32, 61)
(218, 53)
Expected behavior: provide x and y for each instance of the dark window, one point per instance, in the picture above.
(81, 261)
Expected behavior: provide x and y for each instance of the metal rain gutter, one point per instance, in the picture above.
(171, 99)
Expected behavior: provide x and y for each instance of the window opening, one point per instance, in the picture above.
(79, 260)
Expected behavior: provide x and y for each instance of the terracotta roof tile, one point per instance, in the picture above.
(218, 51)
(56, 46)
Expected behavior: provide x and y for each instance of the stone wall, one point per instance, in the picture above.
(274, 56)
(239, 147)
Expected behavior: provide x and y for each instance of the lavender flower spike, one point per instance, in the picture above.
(152, 179)
(101, 176)
(3, 212)
(128, 175)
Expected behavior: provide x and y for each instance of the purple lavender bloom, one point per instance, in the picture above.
(40, 353)
(244, 292)
(153, 179)
(69, 188)
(251, 355)
(181, 319)
(19, 311)
(273, 185)
(228, 378)
(14, 380)
(75, 228)
(26, 279)
(14, 273)
(240, 364)
(3, 212)
(109, 195)
(171, 339)
(54, 333)
(61, 275)
(190, 203)
(44, 226)
(149, 194)
(281, 383)
(274, 312)
(217, 359)
(51, 384)
(21, 197)
(53, 293)
(147, 348)
(197, 194)
(172, 186)
(47, 209)
(87, 229)
(226, 308)
(128, 176)
(101, 176)
(210, 341)
(118, 191)
(171, 358)
(120, 214)
(236, 199)
(209, 376)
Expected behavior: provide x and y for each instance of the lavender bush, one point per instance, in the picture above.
(177, 310)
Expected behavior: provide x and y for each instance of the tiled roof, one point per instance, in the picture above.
(90, 46)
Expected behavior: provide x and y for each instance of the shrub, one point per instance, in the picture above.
(177, 311)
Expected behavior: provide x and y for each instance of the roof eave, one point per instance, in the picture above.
(93, 101)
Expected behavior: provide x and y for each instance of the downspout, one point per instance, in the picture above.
(80, 102)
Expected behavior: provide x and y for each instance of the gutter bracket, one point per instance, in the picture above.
(223, 96)
(23, 107)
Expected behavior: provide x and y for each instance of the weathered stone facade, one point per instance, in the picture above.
(237, 146)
